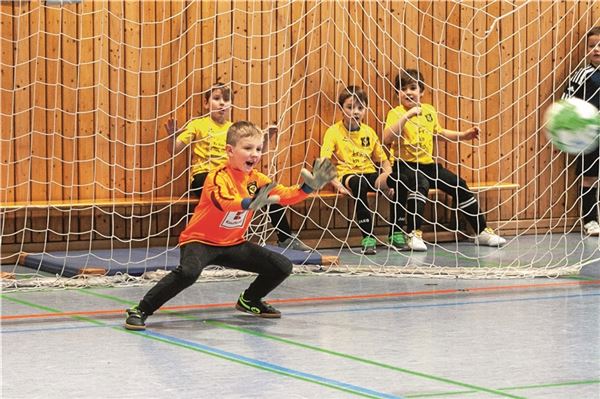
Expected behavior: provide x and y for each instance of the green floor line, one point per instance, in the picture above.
(362, 360)
(196, 349)
(538, 386)
(317, 349)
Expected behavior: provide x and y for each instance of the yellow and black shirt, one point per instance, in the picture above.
(416, 144)
(352, 152)
(208, 139)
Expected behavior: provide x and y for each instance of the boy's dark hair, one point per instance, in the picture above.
(353, 91)
(227, 94)
(595, 31)
(408, 76)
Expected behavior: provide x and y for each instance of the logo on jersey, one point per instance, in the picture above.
(365, 142)
(234, 220)
(252, 187)
(429, 118)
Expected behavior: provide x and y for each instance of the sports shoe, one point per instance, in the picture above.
(489, 238)
(257, 308)
(415, 241)
(295, 244)
(397, 240)
(135, 319)
(369, 245)
(591, 228)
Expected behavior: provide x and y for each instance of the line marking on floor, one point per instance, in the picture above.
(500, 288)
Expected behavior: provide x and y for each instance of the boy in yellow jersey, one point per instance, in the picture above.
(207, 137)
(410, 129)
(355, 149)
(215, 233)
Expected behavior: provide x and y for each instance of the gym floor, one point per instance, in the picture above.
(339, 337)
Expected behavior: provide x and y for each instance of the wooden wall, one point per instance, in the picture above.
(86, 89)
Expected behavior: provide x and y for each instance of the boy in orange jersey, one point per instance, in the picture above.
(206, 136)
(215, 233)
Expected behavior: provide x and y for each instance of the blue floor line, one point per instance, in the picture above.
(271, 366)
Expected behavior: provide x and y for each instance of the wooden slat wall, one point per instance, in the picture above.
(87, 88)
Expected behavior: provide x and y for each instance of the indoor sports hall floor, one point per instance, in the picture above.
(339, 337)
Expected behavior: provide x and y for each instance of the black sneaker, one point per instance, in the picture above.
(257, 308)
(135, 319)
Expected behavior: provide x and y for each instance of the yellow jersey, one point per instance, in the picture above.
(416, 144)
(352, 152)
(219, 218)
(208, 139)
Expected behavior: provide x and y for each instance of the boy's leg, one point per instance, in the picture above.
(285, 238)
(466, 202)
(360, 186)
(589, 202)
(400, 184)
(417, 197)
(451, 184)
(197, 184)
(194, 257)
(272, 269)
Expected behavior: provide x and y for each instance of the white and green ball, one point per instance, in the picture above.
(573, 125)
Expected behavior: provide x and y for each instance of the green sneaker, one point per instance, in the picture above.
(257, 308)
(397, 240)
(369, 244)
(136, 319)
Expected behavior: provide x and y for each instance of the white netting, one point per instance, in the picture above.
(87, 87)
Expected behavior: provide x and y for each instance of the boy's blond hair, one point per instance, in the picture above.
(240, 130)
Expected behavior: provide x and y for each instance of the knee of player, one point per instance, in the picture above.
(188, 275)
(287, 267)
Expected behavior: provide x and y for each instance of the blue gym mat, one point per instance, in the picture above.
(132, 261)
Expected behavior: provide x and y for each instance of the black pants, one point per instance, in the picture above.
(276, 211)
(434, 175)
(272, 269)
(360, 185)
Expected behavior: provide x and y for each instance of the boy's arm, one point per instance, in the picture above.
(453, 135)
(175, 145)
(394, 130)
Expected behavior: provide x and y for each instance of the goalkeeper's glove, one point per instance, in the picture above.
(323, 172)
(262, 198)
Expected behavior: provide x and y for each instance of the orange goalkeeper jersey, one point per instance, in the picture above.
(219, 218)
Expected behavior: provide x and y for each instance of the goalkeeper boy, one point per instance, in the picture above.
(215, 233)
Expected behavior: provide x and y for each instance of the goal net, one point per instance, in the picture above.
(87, 87)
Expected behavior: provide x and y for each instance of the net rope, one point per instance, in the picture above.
(88, 86)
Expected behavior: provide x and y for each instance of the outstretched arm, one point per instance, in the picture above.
(323, 172)
(469, 134)
(175, 146)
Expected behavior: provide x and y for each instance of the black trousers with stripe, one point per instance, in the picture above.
(272, 269)
(435, 176)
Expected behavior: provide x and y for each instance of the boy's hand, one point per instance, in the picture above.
(262, 197)
(323, 172)
(337, 185)
(171, 126)
(470, 134)
(414, 111)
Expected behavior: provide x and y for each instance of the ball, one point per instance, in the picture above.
(573, 125)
